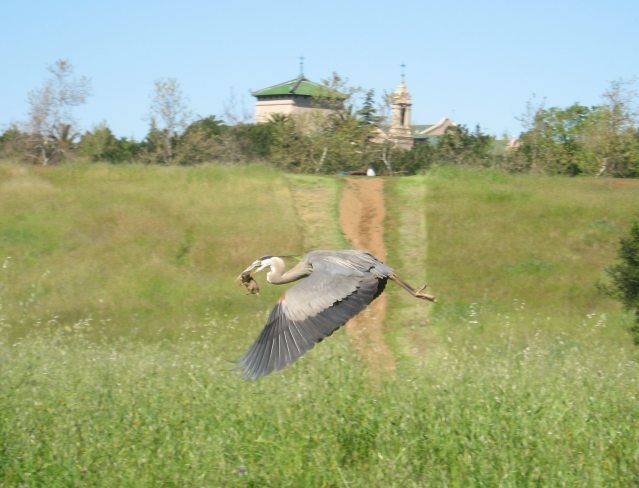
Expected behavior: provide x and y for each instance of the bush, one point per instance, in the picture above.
(625, 275)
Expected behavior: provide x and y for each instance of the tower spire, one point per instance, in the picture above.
(401, 105)
(301, 66)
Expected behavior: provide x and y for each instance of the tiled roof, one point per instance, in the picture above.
(298, 86)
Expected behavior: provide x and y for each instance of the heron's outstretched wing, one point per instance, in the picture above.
(309, 312)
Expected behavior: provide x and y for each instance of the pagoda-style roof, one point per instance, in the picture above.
(299, 86)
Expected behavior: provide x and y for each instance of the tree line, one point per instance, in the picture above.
(595, 140)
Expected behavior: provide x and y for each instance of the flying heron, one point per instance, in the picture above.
(337, 286)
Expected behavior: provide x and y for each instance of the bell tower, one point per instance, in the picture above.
(401, 104)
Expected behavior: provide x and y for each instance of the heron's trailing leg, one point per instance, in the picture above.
(411, 290)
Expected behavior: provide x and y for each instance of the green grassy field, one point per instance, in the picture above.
(136, 250)
(536, 246)
(119, 316)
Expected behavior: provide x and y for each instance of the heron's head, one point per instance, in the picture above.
(259, 264)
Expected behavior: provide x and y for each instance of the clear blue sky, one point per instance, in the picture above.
(478, 62)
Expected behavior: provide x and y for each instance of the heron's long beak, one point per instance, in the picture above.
(254, 265)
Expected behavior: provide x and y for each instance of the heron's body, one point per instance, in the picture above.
(337, 285)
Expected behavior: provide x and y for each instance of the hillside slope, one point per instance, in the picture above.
(521, 376)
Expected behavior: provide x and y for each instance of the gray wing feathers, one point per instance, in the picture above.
(284, 340)
(341, 285)
(350, 259)
(318, 292)
(336, 274)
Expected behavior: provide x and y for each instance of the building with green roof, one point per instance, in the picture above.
(305, 99)
(300, 97)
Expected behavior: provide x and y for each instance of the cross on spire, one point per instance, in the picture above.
(301, 66)
(403, 66)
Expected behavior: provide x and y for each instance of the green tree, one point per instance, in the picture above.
(337, 92)
(123, 150)
(256, 140)
(100, 144)
(200, 142)
(95, 143)
(327, 144)
(209, 126)
(346, 142)
(625, 275)
(599, 140)
(553, 143)
(14, 143)
(247, 142)
(459, 146)
(419, 158)
(367, 114)
(151, 148)
(290, 144)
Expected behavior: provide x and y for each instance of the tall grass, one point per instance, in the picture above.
(170, 414)
(509, 382)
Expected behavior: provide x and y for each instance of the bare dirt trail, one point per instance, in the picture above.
(361, 216)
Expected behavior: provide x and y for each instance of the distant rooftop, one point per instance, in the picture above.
(433, 130)
(299, 86)
(416, 129)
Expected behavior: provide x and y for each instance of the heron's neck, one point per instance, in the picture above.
(277, 275)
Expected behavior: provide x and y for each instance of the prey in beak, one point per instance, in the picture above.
(247, 280)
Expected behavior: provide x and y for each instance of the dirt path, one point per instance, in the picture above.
(361, 216)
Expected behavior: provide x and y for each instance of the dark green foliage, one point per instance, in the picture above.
(123, 150)
(210, 140)
(323, 145)
(554, 144)
(101, 145)
(255, 140)
(288, 144)
(419, 158)
(152, 146)
(458, 146)
(599, 140)
(208, 126)
(13, 144)
(199, 141)
(461, 147)
(368, 113)
(346, 142)
(9, 135)
(625, 275)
